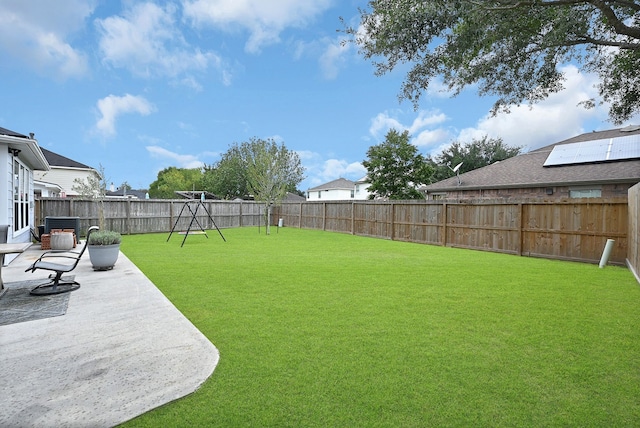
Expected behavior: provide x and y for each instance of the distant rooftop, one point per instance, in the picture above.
(340, 183)
(55, 159)
(9, 133)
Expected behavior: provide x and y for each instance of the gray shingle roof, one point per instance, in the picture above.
(55, 159)
(527, 170)
(340, 183)
(5, 131)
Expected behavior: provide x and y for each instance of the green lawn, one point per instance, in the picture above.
(325, 329)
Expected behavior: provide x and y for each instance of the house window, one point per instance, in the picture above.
(438, 196)
(357, 188)
(585, 193)
(352, 194)
(20, 195)
(319, 194)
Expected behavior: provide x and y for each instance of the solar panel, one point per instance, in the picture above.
(609, 149)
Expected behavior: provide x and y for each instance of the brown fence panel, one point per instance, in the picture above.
(575, 230)
(417, 222)
(373, 219)
(489, 227)
(338, 217)
(312, 216)
(290, 213)
(149, 216)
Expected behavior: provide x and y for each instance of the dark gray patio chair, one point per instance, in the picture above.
(51, 260)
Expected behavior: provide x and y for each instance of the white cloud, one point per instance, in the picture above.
(113, 106)
(431, 138)
(319, 170)
(382, 123)
(36, 32)
(552, 120)
(336, 168)
(264, 20)
(424, 128)
(180, 161)
(333, 58)
(146, 41)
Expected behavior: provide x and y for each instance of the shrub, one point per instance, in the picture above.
(105, 237)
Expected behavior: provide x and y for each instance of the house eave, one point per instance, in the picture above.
(29, 151)
(462, 187)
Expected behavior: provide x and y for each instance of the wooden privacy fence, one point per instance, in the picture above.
(132, 216)
(633, 257)
(575, 229)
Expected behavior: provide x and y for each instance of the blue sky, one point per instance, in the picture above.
(139, 86)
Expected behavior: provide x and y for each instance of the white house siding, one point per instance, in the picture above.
(331, 195)
(63, 177)
(23, 233)
(361, 192)
(6, 206)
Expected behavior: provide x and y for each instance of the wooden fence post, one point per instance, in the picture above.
(324, 216)
(444, 224)
(393, 213)
(520, 231)
(353, 218)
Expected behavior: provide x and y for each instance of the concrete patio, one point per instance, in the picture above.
(120, 350)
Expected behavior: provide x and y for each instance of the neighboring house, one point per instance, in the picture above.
(362, 188)
(127, 193)
(293, 197)
(20, 156)
(196, 194)
(59, 180)
(596, 164)
(336, 190)
(339, 190)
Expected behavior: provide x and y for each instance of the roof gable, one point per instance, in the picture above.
(339, 184)
(5, 131)
(55, 159)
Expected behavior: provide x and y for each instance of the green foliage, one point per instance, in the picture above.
(474, 155)
(395, 169)
(271, 169)
(347, 331)
(104, 237)
(258, 168)
(508, 48)
(228, 177)
(94, 187)
(174, 179)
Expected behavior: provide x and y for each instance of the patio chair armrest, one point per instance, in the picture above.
(51, 255)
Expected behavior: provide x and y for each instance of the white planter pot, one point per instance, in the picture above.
(62, 241)
(103, 257)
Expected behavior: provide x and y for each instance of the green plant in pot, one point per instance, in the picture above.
(104, 248)
(103, 245)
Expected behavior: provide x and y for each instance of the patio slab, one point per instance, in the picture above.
(121, 350)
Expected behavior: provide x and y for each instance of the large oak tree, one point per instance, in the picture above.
(476, 154)
(510, 49)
